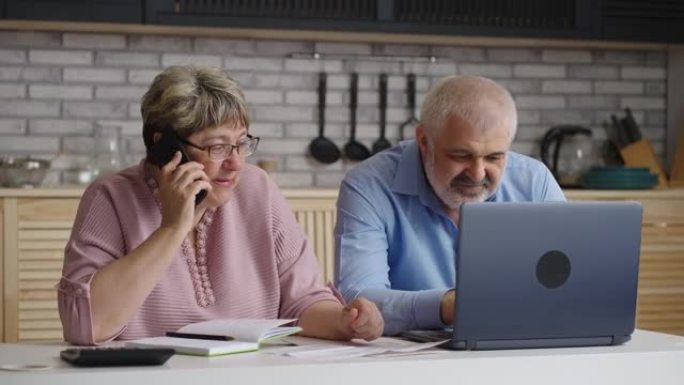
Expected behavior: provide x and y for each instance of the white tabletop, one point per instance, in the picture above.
(649, 358)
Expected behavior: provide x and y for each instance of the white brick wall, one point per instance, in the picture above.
(120, 92)
(191, 59)
(488, 70)
(95, 40)
(643, 73)
(94, 75)
(95, 109)
(225, 46)
(26, 108)
(593, 72)
(55, 88)
(30, 39)
(234, 63)
(31, 74)
(159, 43)
(460, 54)
(12, 126)
(618, 87)
(58, 91)
(566, 86)
(514, 55)
(12, 56)
(539, 71)
(127, 59)
(60, 57)
(566, 56)
(12, 90)
(59, 127)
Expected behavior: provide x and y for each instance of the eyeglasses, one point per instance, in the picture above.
(218, 152)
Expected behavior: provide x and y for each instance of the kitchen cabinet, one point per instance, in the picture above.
(36, 225)
(35, 229)
(528, 18)
(661, 21)
(112, 11)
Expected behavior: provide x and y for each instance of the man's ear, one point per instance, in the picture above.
(421, 139)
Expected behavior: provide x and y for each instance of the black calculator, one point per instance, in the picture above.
(116, 356)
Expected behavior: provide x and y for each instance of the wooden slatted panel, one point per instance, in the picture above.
(44, 229)
(317, 218)
(39, 319)
(3, 252)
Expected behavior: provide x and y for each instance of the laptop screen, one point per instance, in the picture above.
(547, 271)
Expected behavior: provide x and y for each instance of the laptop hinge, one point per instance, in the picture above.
(471, 344)
(616, 340)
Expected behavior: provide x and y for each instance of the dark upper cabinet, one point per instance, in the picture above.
(631, 20)
(532, 18)
(121, 11)
(655, 20)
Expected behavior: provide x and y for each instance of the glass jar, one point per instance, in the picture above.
(107, 152)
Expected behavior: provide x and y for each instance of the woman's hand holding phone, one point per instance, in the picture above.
(178, 185)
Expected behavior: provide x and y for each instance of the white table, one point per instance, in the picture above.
(649, 358)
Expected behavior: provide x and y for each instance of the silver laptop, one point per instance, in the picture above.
(551, 274)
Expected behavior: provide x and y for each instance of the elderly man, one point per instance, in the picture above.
(397, 213)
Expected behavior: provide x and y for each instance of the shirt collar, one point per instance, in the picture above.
(410, 179)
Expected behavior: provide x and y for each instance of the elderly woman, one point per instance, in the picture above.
(144, 259)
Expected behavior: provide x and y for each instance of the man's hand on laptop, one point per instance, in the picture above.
(446, 308)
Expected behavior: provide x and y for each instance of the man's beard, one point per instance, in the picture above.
(451, 196)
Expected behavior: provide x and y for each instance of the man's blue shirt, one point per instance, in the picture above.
(395, 244)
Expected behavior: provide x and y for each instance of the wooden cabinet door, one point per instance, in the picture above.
(36, 232)
(317, 218)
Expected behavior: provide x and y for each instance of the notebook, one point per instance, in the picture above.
(549, 274)
(246, 334)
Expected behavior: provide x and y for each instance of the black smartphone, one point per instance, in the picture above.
(162, 152)
(116, 356)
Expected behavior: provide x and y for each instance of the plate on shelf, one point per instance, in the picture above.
(619, 178)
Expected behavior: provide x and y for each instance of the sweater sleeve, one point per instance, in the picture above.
(96, 240)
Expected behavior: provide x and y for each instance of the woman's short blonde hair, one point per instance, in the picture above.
(189, 99)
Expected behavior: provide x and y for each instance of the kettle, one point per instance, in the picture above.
(568, 151)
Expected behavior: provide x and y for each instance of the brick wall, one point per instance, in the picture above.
(56, 88)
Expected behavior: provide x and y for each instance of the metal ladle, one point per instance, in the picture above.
(382, 143)
(321, 148)
(354, 150)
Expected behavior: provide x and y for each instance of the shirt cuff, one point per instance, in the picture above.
(427, 309)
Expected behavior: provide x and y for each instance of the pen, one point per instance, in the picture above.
(199, 336)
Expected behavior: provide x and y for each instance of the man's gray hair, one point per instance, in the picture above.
(481, 102)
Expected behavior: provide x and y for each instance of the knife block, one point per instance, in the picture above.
(641, 154)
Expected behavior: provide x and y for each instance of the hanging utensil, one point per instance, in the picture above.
(354, 150)
(323, 149)
(382, 143)
(412, 121)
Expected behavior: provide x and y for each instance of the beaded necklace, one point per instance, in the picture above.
(195, 257)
